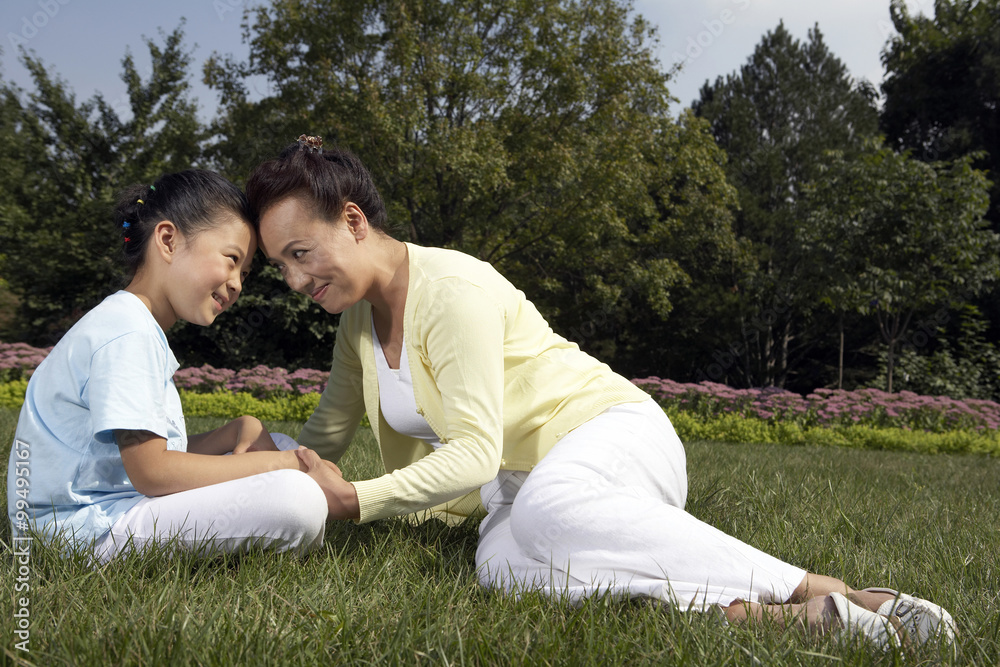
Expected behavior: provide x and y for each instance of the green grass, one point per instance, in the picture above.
(388, 592)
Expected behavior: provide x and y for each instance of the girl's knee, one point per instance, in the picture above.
(300, 501)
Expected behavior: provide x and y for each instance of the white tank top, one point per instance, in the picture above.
(395, 392)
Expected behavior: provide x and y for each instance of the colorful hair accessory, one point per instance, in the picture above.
(126, 224)
(127, 239)
(310, 143)
(153, 188)
(141, 202)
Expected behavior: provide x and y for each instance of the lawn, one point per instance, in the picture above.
(388, 592)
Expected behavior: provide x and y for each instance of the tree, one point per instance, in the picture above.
(533, 135)
(942, 85)
(61, 166)
(914, 232)
(774, 118)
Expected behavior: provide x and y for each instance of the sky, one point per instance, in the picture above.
(84, 41)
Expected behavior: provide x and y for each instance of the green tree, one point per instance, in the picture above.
(61, 165)
(914, 232)
(942, 85)
(532, 134)
(774, 118)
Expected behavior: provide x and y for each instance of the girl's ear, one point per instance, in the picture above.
(356, 220)
(166, 240)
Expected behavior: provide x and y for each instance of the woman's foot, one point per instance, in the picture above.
(883, 631)
(922, 619)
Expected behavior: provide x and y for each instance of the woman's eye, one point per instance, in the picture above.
(297, 254)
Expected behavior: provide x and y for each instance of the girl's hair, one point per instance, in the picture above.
(191, 199)
(326, 178)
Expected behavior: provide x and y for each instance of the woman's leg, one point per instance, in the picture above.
(605, 507)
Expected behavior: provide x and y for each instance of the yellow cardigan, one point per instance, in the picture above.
(494, 382)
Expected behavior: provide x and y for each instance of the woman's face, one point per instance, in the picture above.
(320, 259)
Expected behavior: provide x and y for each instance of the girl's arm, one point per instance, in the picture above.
(244, 434)
(156, 471)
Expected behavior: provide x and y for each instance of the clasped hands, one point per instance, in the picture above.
(341, 498)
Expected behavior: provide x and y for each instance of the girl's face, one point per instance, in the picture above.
(320, 259)
(207, 273)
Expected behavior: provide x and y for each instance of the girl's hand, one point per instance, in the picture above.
(341, 498)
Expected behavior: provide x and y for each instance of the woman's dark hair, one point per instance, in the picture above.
(190, 199)
(326, 178)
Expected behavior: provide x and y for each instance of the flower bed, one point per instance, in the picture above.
(18, 360)
(259, 381)
(704, 411)
(826, 407)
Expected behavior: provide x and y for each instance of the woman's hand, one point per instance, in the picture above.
(341, 498)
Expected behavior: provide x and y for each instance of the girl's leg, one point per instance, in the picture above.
(283, 510)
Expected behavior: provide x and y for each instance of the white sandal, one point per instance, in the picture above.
(879, 629)
(922, 619)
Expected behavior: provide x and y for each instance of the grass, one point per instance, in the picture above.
(391, 593)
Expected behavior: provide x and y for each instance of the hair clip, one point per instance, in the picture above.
(126, 224)
(140, 201)
(153, 188)
(127, 239)
(310, 143)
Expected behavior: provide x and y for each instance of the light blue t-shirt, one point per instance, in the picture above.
(112, 370)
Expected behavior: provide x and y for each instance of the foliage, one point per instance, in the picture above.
(942, 84)
(62, 165)
(912, 235)
(535, 136)
(734, 429)
(233, 405)
(775, 117)
(12, 393)
(966, 368)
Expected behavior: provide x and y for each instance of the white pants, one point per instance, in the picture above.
(283, 510)
(603, 512)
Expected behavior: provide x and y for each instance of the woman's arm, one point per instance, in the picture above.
(155, 470)
(243, 434)
(462, 335)
(331, 427)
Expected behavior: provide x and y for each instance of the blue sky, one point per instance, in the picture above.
(84, 40)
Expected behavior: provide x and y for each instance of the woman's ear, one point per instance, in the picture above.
(356, 220)
(166, 240)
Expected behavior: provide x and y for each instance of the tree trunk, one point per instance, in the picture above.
(840, 361)
(890, 362)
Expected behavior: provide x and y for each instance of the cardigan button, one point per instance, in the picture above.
(503, 462)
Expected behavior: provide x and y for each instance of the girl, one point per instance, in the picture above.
(108, 461)
(475, 402)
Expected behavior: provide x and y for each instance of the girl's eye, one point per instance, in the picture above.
(236, 260)
(243, 276)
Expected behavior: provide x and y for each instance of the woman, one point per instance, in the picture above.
(472, 398)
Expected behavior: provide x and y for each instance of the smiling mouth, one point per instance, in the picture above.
(219, 300)
(318, 293)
